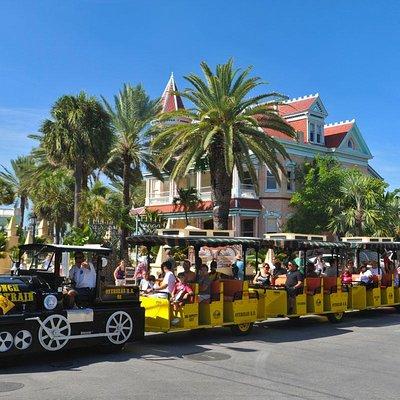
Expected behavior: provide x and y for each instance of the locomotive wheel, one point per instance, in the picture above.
(6, 341)
(22, 340)
(51, 334)
(335, 317)
(119, 327)
(242, 329)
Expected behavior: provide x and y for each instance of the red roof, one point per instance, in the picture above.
(253, 204)
(296, 106)
(169, 100)
(335, 133)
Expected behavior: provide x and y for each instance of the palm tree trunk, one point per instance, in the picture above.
(78, 191)
(221, 187)
(126, 177)
(22, 205)
(57, 232)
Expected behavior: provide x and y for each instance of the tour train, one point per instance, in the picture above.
(34, 316)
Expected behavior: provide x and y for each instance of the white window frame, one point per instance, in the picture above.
(269, 174)
(319, 134)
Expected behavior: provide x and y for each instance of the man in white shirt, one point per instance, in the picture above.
(166, 287)
(375, 269)
(83, 277)
(365, 276)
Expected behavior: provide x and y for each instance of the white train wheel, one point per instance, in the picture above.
(54, 332)
(119, 327)
(22, 340)
(6, 341)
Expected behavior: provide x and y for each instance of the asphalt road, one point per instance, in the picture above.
(308, 358)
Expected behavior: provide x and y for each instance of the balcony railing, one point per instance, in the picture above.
(247, 191)
(160, 198)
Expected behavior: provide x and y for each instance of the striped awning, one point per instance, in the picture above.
(159, 240)
(376, 246)
(44, 247)
(291, 244)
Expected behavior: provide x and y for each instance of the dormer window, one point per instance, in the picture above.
(312, 132)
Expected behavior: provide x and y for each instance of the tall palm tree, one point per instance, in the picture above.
(78, 137)
(132, 112)
(188, 199)
(358, 210)
(225, 130)
(16, 180)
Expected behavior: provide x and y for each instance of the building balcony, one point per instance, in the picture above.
(247, 192)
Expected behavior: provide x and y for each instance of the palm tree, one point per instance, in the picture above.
(188, 199)
(130, 116)
(225, 130)
(53, 200)
(358, 209)
(77, 137)
(16, 181)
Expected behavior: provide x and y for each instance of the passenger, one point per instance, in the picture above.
(120, 274)
(170, 258)
(347, 276)
(238, 268)
(293, 285)
(214, 275)
(204, 284)
(279, 269)
(181, 293)
(310, 270)
(331, 269)
(263, 276)
(365, 277)
(140, 270)
(375, 269)
(320, 265)
(190, 276)
(147, 283)
(350, 266)
(166, 286)
(83, 277)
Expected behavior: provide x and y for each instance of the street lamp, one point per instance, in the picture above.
(32, 221)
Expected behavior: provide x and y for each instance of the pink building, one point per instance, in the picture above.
(253, 214)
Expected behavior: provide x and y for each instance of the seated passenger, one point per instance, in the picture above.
(293, 285)
(238, 268)
(140, 270)
(279, 268)
(320, 265)
(310, 270)
(204, 284)
(181, 293)
(83, 277)
(164, 288)
(263, 276)
(365, 277)
(214, 275)
(119, 274)
(190, 276)
(147, 283)
(331, 269)
(375, 269)
(347, 276)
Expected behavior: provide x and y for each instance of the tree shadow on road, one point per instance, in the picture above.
(180, 345)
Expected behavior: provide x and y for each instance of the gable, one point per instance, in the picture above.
(354, 137)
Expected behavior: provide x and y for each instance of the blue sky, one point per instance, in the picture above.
(348, 51)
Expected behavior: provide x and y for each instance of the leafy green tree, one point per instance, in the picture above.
(7, 195)
(15, 180)
(78, 137)
(319, 183)
(3, 244)
(188, 199)
(53, 199)
(225, 131)
(357, 210)
(131, 114)
(390, 209)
